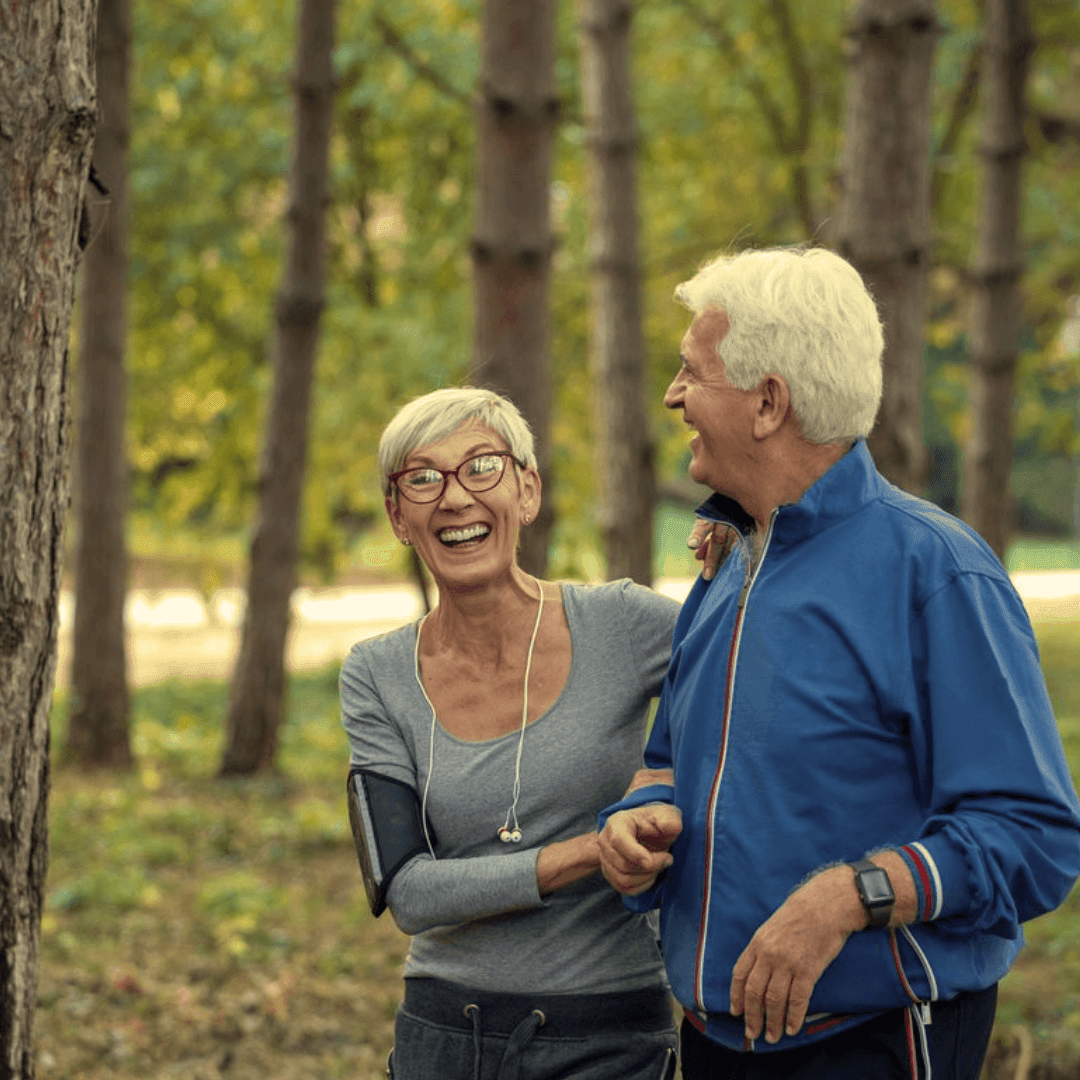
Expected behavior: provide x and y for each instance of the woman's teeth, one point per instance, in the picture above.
(462, 536)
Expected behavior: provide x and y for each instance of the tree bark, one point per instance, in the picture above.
(626, 486)
(46, 136)
(257, 693)
(995, 274)
(516, 115)
(883, 224)
(98, 725)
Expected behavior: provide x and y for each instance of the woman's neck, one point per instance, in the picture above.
(483, 623)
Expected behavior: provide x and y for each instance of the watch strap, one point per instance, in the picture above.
(878, 907)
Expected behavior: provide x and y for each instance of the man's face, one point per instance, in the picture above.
(721, 415)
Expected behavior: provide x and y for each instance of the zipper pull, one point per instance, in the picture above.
(745, 589)
(924, 1008)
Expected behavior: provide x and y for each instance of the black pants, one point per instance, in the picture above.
(885, 1048)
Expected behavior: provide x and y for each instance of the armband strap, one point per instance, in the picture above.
(387, 830)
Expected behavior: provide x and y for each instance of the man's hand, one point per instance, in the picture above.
(774, 977)
(634, 846)
(711, 543)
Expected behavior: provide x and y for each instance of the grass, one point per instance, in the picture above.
(197, 929)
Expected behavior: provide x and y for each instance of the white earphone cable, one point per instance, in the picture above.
(505, 832)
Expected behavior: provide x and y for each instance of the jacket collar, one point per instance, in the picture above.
(836, 495)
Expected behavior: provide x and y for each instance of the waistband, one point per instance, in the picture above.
(565, 1015)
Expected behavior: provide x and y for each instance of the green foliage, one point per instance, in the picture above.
(732, 112)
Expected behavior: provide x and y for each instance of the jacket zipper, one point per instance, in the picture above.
(714, 793)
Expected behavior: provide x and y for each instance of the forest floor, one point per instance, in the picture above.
(197, 929)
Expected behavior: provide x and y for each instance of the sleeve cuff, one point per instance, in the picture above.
(654, 793)
(939, 874)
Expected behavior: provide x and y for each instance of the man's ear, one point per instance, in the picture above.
(773, 404)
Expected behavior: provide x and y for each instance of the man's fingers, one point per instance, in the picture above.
(777, 996)
(743, 966)
(798, 1003)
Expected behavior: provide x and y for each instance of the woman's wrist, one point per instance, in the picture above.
(561, 864)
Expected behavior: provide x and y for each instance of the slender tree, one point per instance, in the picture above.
(257, 692)
(47, 112)
(516, 114)
(625, 482)
(98, 725)
(883, 223)
(995, 273)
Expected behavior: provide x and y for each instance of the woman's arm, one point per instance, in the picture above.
(446, 892)
(561, 864)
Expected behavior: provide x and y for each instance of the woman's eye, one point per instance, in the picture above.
(480, 466)
(423, 478)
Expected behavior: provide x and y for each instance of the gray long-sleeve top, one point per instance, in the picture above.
(475, 910)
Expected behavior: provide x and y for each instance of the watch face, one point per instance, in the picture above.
(876, 887)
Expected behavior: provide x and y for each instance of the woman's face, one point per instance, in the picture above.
(467, 538)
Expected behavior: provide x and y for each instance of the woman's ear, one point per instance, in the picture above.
(531, 488)
(393, 512)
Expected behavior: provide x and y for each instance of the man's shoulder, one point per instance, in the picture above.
(918, 530)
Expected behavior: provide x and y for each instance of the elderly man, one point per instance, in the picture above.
(869, 794)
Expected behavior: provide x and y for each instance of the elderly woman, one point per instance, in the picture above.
(484, 741)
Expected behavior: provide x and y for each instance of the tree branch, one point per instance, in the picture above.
(962, 107)
(757, 87)
(395, 41)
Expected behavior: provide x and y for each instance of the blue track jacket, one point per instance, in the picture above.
(873, 683)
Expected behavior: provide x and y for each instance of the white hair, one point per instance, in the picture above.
(433, 417)
(806, 315)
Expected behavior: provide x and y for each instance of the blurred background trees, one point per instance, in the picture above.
(740, 114)
(477, 227)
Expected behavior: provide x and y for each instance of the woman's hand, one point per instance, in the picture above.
(711, 543)
(648, 777)
(567, 861)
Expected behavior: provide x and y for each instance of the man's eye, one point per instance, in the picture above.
(423, 478)
(485, 465)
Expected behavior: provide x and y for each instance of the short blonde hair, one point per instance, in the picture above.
(427, 419)
(804, 314)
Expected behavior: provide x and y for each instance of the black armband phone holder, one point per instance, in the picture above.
(387, 829)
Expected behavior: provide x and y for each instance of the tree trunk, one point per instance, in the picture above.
(98, 726)
(257, 694)
(996, 269)
(46, 137)
(883, 224)
(516, 116)
(626, 487)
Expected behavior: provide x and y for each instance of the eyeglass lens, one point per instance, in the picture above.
(480, 473)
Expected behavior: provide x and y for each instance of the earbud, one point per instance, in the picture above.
(508, 836)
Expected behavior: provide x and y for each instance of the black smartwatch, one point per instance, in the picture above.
(875, 892)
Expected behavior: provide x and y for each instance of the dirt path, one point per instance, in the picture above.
(175, 635)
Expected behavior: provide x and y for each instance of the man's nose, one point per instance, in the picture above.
(673, 394)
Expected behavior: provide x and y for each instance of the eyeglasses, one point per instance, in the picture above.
(479, 473)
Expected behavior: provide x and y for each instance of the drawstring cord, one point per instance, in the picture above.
(520, 1037)
(516, 1045)
(473, 1012)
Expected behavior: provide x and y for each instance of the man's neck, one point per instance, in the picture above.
(788, 471)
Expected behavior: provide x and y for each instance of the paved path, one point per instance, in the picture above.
(176, 634)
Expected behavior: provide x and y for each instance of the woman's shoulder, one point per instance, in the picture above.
(382, 652)
(622, 599)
